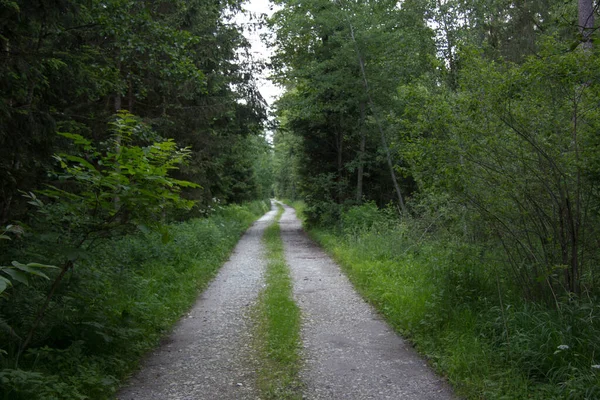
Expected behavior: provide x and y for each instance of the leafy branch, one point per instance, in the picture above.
(102, 192)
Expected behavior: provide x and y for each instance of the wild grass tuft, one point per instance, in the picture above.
(278, 327)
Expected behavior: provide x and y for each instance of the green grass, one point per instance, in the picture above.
(278, 327)
(443, 295)
(297, 205)
(405, 292)
(114, 307)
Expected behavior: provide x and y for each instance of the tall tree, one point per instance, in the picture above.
(345, 61)
(586, 22)
(68, 65)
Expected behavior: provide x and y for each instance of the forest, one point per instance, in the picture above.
(447, 155)
(446, 152)
(132, 158)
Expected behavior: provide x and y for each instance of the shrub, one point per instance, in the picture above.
(113, 307)
(454, 300)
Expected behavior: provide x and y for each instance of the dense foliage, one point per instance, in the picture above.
(121, 298)
(69, 65)
(451, 299)
(117, 118)
(475, 124)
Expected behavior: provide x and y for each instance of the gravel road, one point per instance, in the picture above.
(207, 355)
(349, 352)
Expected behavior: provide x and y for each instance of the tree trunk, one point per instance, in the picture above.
(361, 155)
(450, 46)
(130, 95)
(392, 172)
(379, 126)
(340, 165)
(118, 97)
(586, 22)
(118, 107)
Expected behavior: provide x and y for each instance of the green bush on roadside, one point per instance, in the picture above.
(113, 308)
(455, 302)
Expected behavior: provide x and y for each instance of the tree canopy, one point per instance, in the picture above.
(69, 65)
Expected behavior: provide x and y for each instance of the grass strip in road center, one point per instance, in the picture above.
(278, 327)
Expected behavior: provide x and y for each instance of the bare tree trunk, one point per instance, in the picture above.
(130, 95)
(574, 261)
(118, 107)
(340, 164)
(574, 211)
(118, 102)
(392, 172)
(586, 22)
(118, 97)
(379, 126)
(361, 154)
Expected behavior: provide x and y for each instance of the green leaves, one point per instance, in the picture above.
(17, 275)
(19, 272)
(4, 282)
(9, 4)
(14, 229)
(123, 182)
(176, 64)
(32, 268)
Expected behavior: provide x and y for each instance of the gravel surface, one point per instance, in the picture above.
(208, 354)
(349, 352)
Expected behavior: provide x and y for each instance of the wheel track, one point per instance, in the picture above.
(350, 353)
(208, 355)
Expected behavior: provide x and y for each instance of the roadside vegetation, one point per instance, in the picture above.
(453, 302)
(131, 149)
(113, 307)
(447, 154)
(277, 332)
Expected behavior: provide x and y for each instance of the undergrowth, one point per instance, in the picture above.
(114, 306)
(453, 300)
(278, 327)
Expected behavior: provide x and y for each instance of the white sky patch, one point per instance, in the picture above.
(249, 20)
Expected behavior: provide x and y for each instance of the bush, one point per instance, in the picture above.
(322, 213)
(455, 302)
(113, 307)
(363, 218)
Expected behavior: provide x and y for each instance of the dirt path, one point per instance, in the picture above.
(206, 356)
(349, 352)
